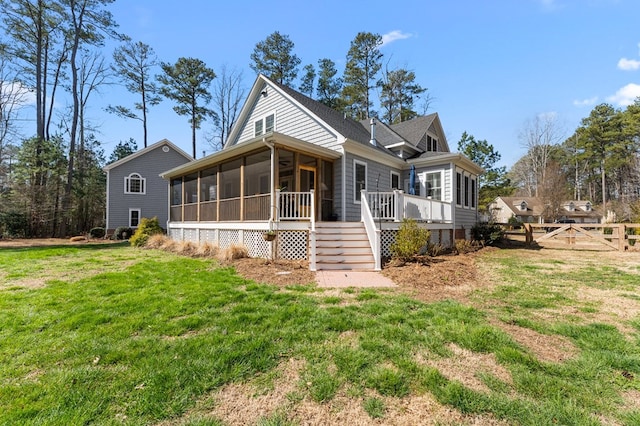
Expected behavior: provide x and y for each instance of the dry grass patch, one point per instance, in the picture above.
(548, 348)
(457, 367)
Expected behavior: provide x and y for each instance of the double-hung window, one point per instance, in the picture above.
(134, 184)
(264, 125)
(433, 183)
(134, 218)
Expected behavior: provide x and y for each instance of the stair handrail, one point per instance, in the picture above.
(373, 233)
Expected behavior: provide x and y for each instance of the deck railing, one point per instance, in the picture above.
(397, 205)
(295, 205)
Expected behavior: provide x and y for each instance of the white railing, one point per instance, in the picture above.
(373, 233)
(397, 205)
(425, 209)
(296, 206)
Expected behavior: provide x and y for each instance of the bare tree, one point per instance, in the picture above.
(12, 98)
(227, 94)
(539, 137)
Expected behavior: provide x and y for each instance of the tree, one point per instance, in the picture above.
(187, 83)
(39, 47)
(363, 64)
(494, 182)
(329, 87)
(227, 96)
(306, 87)
(274, 58)
(12, 99)
(122, 150)
(399, 94)
(88, 25)
(134, 62)
(596, 138)
(540, 136)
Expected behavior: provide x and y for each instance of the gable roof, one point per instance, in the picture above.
(415, 130)
(143, 151)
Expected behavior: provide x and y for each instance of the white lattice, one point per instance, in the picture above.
(191, 235)
(228, 237)
(257, 245)
(292, 245)
(387, 238)
(175, 234)
(208, 236)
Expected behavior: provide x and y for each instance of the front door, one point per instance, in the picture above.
(306, 182)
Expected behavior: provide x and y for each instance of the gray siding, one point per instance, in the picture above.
(155, 201)
(378, 179)
(289, 120)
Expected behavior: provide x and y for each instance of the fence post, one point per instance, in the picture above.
(528, 232)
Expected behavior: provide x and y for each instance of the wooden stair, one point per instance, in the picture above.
(343, 246)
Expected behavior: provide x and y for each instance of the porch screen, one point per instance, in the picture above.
(257, 174)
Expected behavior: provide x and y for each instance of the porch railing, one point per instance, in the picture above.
(295, 206)
(397, 205)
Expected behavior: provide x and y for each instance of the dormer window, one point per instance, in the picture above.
(264, 125)
(572, 207)
(523, 206)
(587, 207)
(432, 144)
(134, 184)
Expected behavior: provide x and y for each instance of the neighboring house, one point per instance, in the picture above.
(135, 188)
(334, 189)
(534, 210)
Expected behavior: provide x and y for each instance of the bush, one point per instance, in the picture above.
(97, 232)
(146, 228)
(487, 233)
(122, 233)
(410, 240)
(14, 224)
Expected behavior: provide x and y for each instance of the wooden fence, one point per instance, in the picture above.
(594, 236)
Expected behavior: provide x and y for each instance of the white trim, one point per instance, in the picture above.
(357, 191)
(263, 120)
(139, 216)
(127, 184)
(143, 151)
(441, 173)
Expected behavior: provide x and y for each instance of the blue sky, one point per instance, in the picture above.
(489, 65)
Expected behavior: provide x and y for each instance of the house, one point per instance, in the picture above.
(135, 188)
(334, 189)
(535, 210)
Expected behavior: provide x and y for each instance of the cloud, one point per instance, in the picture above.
(626, 95)
(392, 36)
(628, 64)
(585, 102)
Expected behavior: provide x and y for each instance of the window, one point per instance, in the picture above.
(587, 207)
(433, 184)
(473, 193)
(264, 125)
(395, 180)
(134, 184)
(432, 144)
(459, 188)
(176, 192)
(359, 179)
(134, 218)
(466, 191)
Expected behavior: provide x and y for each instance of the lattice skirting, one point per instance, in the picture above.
(442, 237)
(291, 245)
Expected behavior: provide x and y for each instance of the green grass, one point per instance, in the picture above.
(115, 335)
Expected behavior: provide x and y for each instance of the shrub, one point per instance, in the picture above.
(97, 232)
(122, 233)
(146, 228)
(14, 224)
(466, 246)
(155, 241)
(410, 240)
(233, 252)
(487, 233)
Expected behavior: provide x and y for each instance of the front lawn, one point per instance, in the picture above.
(116, 335)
